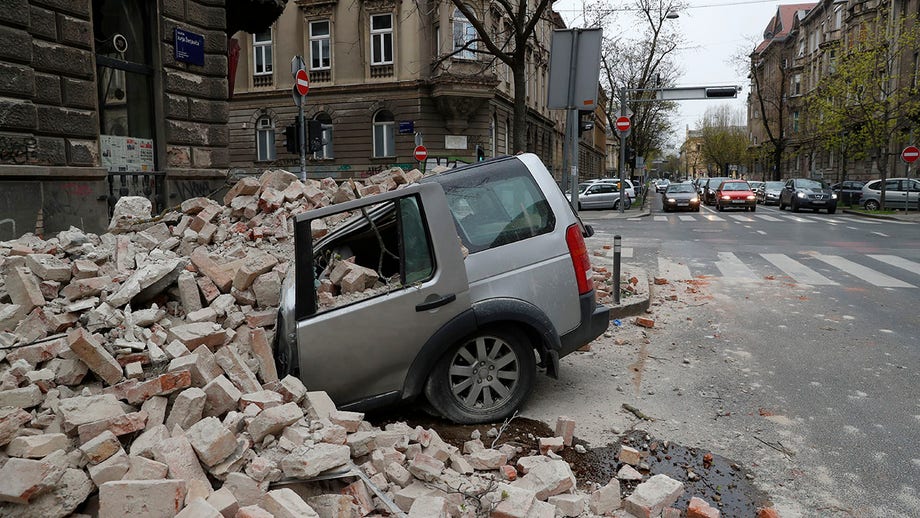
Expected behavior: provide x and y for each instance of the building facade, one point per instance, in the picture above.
(103, 98)
(384, 76)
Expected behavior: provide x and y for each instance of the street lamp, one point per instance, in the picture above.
(672, 15)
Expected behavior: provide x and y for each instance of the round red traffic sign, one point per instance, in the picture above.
(910, 154)
(622, 124)
(421, 154)
(302, 82)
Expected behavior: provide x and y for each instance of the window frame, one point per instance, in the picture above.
(386, 37)
(388, 129)
(260, 46)
(265, 149)
(319, 39)
(467, 32)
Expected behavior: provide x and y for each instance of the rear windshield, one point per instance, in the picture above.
(496, 205)
(735, 186)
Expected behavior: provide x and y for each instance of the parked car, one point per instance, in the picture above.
(630, 188)
(600, 195)
(680, 196)
(735, 194)
(756, 186)
(662, 184)
(482, 276)
(709, 189)
(807, 193)
(896, 194)
(848, 192)
(770, 193)
(699, 184)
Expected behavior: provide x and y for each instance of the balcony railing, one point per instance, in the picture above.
(320, 76)
(379, 71)
(262, 80)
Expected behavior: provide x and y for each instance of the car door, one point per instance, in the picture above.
(591, 198)
(607, 195)
(363, 346)
(913, 194)
(895, 194)
(785, 196)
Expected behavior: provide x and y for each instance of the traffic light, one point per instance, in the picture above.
(631, 157)
(480, 153)
(314, 136)
(292, 137)
(585, 121)
(721, 92)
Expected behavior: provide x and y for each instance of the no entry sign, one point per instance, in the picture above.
(910, 154)
(622, 124)
(421, 154)
(302, 82)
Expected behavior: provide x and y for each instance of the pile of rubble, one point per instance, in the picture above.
(137, 378)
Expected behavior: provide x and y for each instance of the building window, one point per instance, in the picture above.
(507, 136)
(384, 135)
(382, 39)
(464, 37)
(262, 52)
(796, 84)
(326, 152)
(265, 139)
(492, 141)
(795, 121)
(320, 54)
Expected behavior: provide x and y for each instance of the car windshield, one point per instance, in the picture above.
(735, 186)
(810, 184)
(681, 187)
(777, 186)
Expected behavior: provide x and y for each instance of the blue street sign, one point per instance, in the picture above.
(406, 127)
(189, 47)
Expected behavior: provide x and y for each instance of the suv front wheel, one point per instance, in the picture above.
(483, 378)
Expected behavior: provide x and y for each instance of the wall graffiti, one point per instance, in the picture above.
(188, 189)
(17, 150)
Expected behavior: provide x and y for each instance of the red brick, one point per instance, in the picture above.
(767, 512)
(162, 385)
(94, 356)
(247, 186)
(645, 322)
(119, 425)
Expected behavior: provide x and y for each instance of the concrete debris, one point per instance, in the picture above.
(140, 362)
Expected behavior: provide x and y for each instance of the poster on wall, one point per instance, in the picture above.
(126, 154)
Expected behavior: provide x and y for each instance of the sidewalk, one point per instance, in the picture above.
(912, 216)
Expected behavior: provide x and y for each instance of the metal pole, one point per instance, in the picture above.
(616, 268)
(622, 154)
(302, 138)
(571, 126)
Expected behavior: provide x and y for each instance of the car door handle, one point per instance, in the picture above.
(436, 303)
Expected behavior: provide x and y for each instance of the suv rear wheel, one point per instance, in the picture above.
(483, 378)
(871, 205)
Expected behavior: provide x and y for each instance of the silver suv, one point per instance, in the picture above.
(456, 288)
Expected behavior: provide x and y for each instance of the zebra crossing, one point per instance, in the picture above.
(809, 268)
(751, 218)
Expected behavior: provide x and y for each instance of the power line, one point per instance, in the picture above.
(704, 6)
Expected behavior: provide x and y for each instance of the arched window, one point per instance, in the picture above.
(326, 153)
(464, 37)
(265, 139)
(384, 135)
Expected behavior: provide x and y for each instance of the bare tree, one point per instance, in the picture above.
(769, 75)
(724, 137)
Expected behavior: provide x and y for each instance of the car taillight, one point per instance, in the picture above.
(580, 259)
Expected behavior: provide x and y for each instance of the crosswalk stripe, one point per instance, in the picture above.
(733, 270)
(741, 218)
(798, 271)
(864, 221)
(767, 218)
(800, 220)
(900, 262)
(711, 217)
(661, 218)
(867, 274)
(672, 270)
(686, 218)
(881, 234)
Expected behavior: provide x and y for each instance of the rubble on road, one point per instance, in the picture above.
(136, 377)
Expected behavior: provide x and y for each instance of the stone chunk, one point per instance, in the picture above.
(262, 350)
(137, 498)
(222, 396)
(37, 446)
(547, 479)
(628, 472)
(177, 453)
(24, 479)
(426, 467)
(429, 507)
(199, 508)
(350, 421)
(81, 410)
(233, 365)
(49, 267)
(630, 455)
(85, 346)
(285, 503)
(605, 499)
(23, 289)
(198, 333)
(25, 397)
(162, 385)
(70, 492)
(11, 419)
(652, 496)
(551, 444)
(111, 469)
(568, 505)
(187, 409)
(700, 508)
(211, 440)
(273, 420)
(515, 502)
(142, 468)
(82, 288)
(119, 425)
(487, 459)
(253, 266)
(308, 461)
(565, 428)
(246, 186)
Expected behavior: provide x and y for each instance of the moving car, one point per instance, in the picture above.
(709, 189)
(770, 193)
(900, 193)
(456, 288)
(662, 184)
(680, 196)
(756, 186)
(807, 193)
(600, 195)
(848, 192)
(735, 194)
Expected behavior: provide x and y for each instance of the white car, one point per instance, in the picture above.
(630, 189)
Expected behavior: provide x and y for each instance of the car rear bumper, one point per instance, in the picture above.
(595, 318)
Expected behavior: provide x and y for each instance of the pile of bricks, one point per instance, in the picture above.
(137, 378)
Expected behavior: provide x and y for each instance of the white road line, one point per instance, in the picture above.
(894, 260)
(711, 217)
(863, 221)
(800, 220)
(761, 232)
(687, 218)
(661, 218)
(881, 234)
(767, 218)
(862, 272)
(741, 218)
(672, 270)
(634, 219)
(798, 271)
(733, 270)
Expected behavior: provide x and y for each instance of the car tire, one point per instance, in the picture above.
(455, 390)
(832, 210)
(616, 205)
(795, 206)
(754, 208)
(871, 205)
(719, 207)
(782, 206)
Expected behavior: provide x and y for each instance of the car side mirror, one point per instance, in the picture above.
(588, 232)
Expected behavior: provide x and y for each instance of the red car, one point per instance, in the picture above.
(735, 193)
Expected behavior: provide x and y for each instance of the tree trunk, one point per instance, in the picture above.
(777, 174)
(520, 108)
(882, 163)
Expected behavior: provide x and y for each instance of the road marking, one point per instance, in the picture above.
(625, 251)
(687, 218)
(661, 218)
(634, 219)
(800, 220)
(798, 271)
(672, 270)
(741, 218)
(733, 270)
(881, 234)
(863, 272)
(761, 232)
(711, 217)
(894, 260)
(862, 221)
(767, 218)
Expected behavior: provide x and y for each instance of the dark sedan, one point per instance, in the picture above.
(807, 193)
(710, 187)
(680, 196)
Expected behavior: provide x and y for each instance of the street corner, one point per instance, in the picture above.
(906, 216)
(634, 288)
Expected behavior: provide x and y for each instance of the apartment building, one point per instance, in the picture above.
(386, 75)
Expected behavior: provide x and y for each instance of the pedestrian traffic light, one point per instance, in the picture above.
(314, 136)
(480, 153)
(585, 121)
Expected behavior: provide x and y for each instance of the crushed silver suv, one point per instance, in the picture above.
(456, 288)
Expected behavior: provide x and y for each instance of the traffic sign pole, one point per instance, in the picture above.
(301, 87)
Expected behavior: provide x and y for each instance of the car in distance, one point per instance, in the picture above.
(467, 282)
(769, 195)
(900, 193)
(756, 186)
(662, 184)
(629, 187)
(680, 196)
(735, 194)
(848, 192)
(600, 195)
(807, 193)
(709, 188)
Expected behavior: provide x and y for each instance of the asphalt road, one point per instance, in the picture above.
(800, 356)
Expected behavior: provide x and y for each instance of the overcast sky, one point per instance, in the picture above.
(715, 31)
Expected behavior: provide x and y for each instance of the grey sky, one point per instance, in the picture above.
(716, 31)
